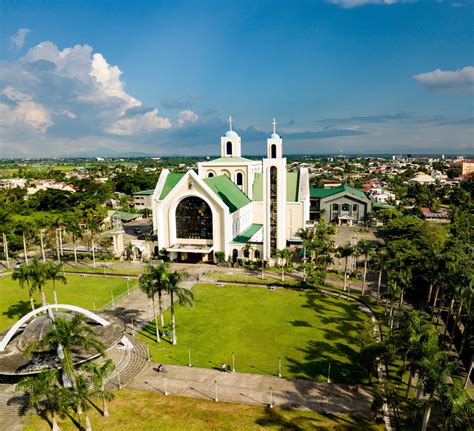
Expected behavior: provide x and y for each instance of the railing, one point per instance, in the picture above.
(112, 302)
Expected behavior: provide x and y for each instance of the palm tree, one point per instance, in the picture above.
(27, 232)
(81, 395)
(159, 273)
(247, 249)
(457, 407)
(284, 255)
(147, 284)
(184, 297)
(345, 251)
(64, 335)
(53, 273)
(5, 220)
(38, 277)
(381, 262)
(22, 275)
(72, 226)
(44, 386)
(306, 234)
(98, 373)
(364, 248)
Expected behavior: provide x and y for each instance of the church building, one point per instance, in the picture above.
(241, 207)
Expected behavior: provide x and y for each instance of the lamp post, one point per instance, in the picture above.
(233, 362)
(329, 373)
(112, 295)
(148, 352)
(279, 366)
(189, 357)
(216, 399)
(166, 387)
(271, 398)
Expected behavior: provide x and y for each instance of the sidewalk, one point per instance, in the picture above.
(254, 389)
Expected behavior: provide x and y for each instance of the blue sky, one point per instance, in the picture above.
(364, 76)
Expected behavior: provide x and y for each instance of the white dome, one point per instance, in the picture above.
(275, 136)
(231, 134)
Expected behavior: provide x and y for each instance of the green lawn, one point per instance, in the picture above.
(149, 411)
(308, 329)
(81, 291)
(253, 279)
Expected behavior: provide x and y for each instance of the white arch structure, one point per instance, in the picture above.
(12, 331)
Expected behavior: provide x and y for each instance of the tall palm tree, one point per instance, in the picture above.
(306, 234)
(38, 277)
(22, 275)
(247, 249)
(147, 284)
(284, 256)
(457, 407)
(159, 273)
(345, 251)
(81, 394)
(99, 372)
(184, 297)
(44, 387)
(5, 226)
(71, 223)
(53, 273)
(364, 248)
(64, 335)
(381, 263)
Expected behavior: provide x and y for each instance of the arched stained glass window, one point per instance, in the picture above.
(193, 219)
(228, 149)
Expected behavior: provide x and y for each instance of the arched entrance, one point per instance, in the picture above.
(235, 255)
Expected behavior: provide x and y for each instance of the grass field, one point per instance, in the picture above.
(81, 291)
(147, 411)
(253, 279)
(308, 329)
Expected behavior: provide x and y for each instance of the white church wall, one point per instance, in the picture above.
(294, 218)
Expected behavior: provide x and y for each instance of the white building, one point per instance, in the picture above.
(422, 178)
(230, 202)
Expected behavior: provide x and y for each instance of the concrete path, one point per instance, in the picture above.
(254, 389)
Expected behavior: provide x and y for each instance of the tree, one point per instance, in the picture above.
(369, 357)
(64, 335)
(44, 387)
(71, 222)
(247, 249)
(38, 277)
(345, 251)
(381, 263)
(457, 407)
(147, 284)
(159, 274)
(284, 255)
(184, 297)
(364, 248)
(99, 372)
(22, 275)
(306, 234)
(53, 273)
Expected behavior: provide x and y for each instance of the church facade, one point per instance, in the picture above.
(241, 207)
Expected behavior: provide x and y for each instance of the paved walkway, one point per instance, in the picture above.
(254, 389)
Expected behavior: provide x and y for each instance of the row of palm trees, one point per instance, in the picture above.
(73, 226)
(58, 392)
(34, 275)
(158, 280)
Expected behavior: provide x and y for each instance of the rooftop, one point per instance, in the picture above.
(148, 192)
(228, 192)
(231, 160)
(292, 187)
(245, 236)
(324, 193)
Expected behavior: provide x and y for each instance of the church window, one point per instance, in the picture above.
(239, 179)
(273, 210)
(345, 209)
(210, 174)
(235, 254)
(355, 208)
(335, 207)
(246, 252)
(257, 254)
(193, 219)
(228, 150)
(273, 151)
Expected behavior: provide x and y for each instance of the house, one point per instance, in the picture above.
(143, 200)
(341, 205)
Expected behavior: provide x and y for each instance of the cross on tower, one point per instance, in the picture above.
(274, 125)
(230, 122)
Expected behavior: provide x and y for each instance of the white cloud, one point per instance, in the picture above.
(187, 116)
(138, 124)
(18, 39)
(355, 3)
(65, 95)
(454, 82)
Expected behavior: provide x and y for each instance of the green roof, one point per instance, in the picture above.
(324, 193)
(122, 215)
(245, 236)
(171, 180)
(148, 192)
(231, 160)
(229, 193)
(292, 187)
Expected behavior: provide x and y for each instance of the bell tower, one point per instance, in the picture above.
(274, 196)
(230, 142)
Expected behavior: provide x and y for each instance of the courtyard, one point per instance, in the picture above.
(310, 331)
